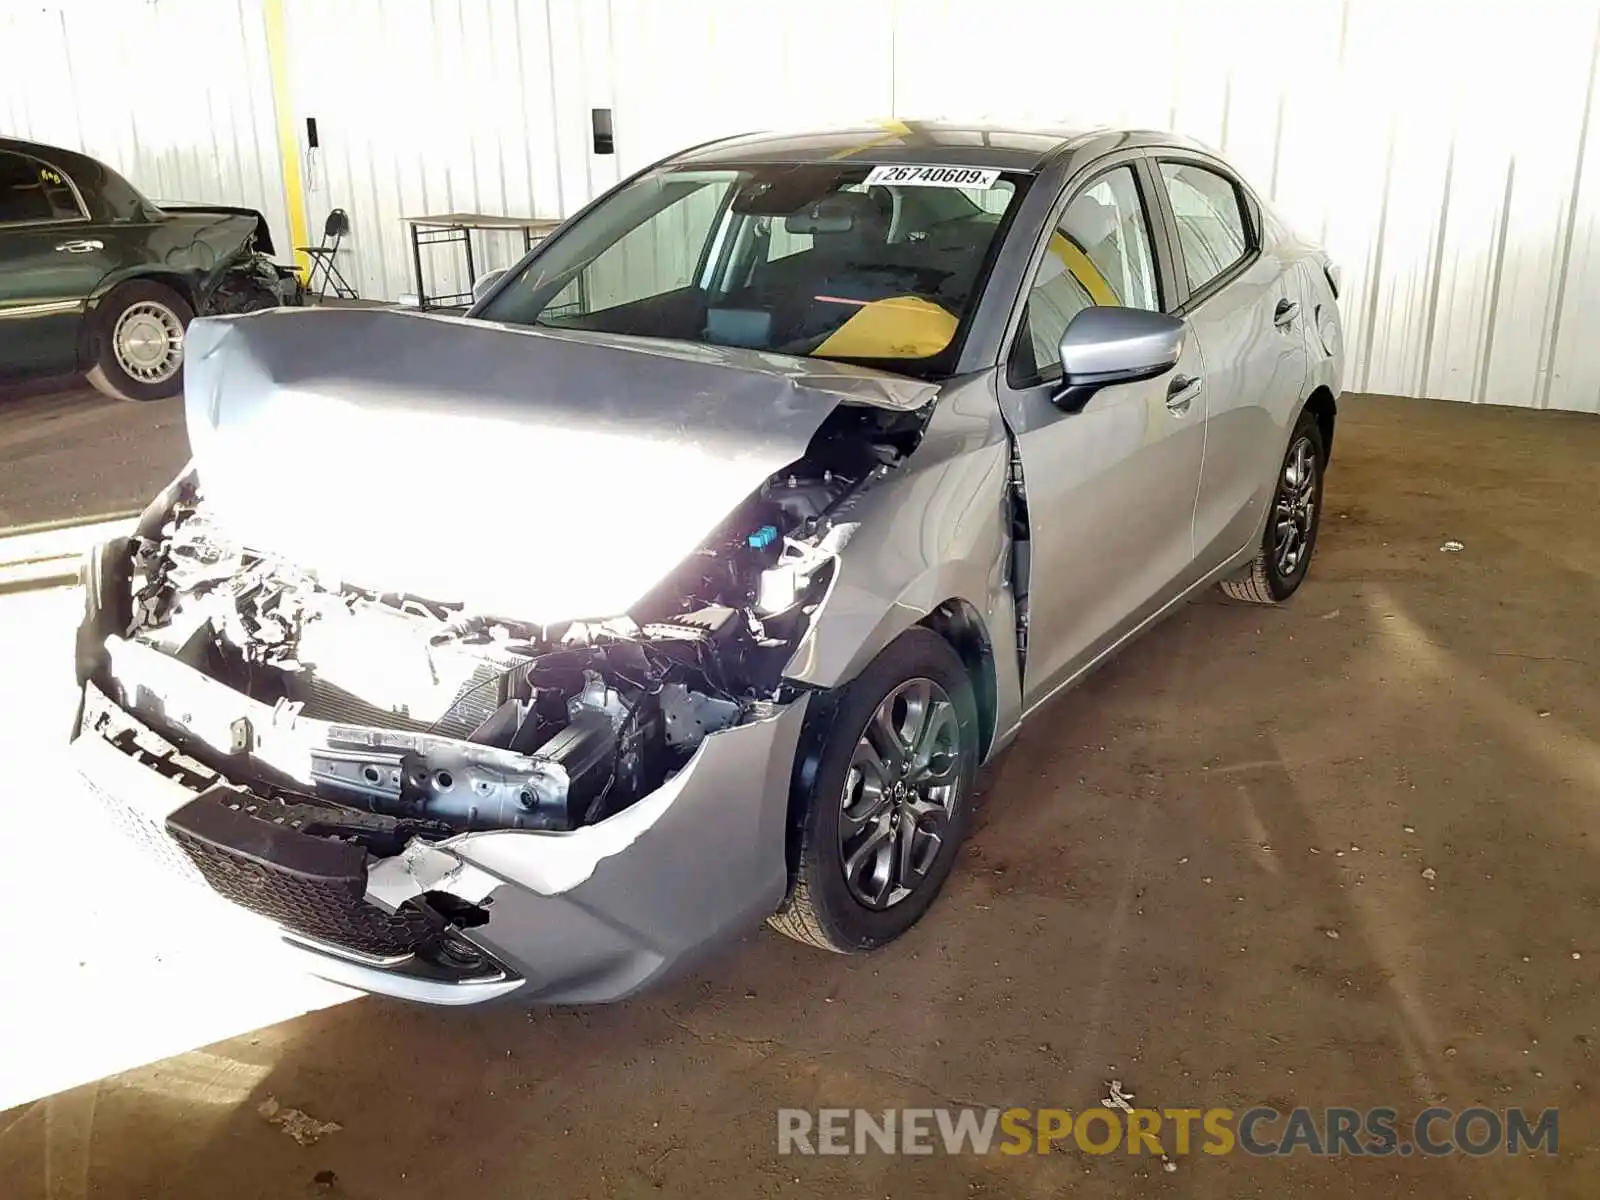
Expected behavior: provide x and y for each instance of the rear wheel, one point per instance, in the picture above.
(890, 799)
(139, 342)
(1281, 563)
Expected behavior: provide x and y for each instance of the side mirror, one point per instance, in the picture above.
(487, 280)
(1106, 345)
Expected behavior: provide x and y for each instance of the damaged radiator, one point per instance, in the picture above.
(472, 706)
(379, 666)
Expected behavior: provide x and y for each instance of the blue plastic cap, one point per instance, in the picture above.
(763, 537)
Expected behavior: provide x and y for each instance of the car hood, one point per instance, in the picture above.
(523, 473)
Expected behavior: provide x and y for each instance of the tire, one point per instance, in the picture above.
(131, 325)
(826, 909)
(1268, 580)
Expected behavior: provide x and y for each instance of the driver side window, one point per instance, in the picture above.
(1098, 254)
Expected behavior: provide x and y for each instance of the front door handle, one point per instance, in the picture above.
(1283, 316)
(1181, 393)
(81, 246)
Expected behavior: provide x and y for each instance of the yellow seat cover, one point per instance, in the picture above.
(899, 327)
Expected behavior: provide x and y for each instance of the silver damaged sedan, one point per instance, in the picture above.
(689, 577)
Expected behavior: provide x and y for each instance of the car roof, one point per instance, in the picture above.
(72, 161)
(1007, 149)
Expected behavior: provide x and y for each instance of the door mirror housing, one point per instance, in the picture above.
(1105, 345)
(485, 282)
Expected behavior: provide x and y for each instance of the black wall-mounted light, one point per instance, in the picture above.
(604, 142)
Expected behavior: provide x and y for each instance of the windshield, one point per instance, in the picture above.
(874, 265)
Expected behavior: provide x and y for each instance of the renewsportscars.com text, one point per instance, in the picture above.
(1334, 1132)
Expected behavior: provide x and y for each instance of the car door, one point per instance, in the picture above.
(51, 259)
(1111, 488)
(1244, 307)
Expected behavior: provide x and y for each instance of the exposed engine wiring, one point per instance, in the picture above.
(606, 709)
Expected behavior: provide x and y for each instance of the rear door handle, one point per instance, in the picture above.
(1283, 316)
(1181, 393)
(82, 246)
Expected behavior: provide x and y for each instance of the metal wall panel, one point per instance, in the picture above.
(1444, 152)
(434, 106)
(174, 94)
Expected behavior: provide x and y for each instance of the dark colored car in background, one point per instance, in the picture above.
(96, 278)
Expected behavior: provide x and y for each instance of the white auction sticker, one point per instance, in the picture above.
(953, 177)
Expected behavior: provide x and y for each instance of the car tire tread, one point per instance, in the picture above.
(1253, 588)
(814, 912)
(798, 919)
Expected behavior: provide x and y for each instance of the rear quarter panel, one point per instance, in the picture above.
(1321, 324)
(194, 248)
(1324, 327)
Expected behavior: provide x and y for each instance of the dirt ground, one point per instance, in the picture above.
(1161, 866)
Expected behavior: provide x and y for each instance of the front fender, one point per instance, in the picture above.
(936, 530)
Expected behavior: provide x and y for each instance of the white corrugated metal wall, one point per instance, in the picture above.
(174, 94)
(1442, 151)
(454, 106)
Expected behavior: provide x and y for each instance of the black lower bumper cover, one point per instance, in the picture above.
(315, 886)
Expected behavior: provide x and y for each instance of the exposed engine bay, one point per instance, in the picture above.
(453, 721)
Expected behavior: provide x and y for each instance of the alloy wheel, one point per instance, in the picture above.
(1294, 508)
(900, 792)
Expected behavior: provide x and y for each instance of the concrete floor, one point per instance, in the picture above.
(67, 451)
(209, 976)
(1151, 895)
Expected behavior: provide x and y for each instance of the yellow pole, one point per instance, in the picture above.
(294, 195)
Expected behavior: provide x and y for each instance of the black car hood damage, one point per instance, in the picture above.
(523, 473)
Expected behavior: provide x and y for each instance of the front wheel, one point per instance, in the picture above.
(889, 799)
(1281, 563)
(139, 342)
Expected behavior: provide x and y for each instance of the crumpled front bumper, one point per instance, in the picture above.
(590, 915)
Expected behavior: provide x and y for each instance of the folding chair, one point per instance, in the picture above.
(334, 230)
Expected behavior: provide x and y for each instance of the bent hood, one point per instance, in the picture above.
(526, 474)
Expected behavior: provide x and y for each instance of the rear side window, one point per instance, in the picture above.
(1212, 229)
(33, 191)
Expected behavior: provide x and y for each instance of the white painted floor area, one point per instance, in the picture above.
(105, 961)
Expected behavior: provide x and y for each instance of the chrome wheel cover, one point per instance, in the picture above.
(148, 342)
(900, 793)
(1294, 508)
